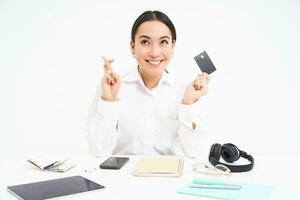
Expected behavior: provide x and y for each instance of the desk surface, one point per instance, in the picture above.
(120, 184)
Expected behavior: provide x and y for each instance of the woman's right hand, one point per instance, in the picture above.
(110, 82)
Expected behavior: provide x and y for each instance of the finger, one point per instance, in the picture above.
(207, 77)
(199, 84)
(198, 87)
(111, 60)
(202, 80)
(105, 70)
(107, 63)
(108, 77)
(107, 60)
(116, 78)
(195, 85)
(204, 75)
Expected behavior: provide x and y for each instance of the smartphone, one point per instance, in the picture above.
(114, 163)
(205, 63)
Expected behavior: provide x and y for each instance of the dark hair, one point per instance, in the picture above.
(152, 16)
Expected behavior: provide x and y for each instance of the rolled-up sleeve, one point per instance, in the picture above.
(102, 128)
(189, 138)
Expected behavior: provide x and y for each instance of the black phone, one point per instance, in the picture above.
(205, 63)
(114, 163)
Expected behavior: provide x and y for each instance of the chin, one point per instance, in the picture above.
(155, 70)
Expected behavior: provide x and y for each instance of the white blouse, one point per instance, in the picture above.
(145, 122)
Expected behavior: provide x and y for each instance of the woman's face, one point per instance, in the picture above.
(153, 48)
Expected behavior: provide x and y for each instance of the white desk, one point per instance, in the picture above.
(120, 184)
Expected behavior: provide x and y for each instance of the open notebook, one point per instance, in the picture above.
(51, 163)
(159, 166)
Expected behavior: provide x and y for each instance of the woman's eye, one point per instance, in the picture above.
(145, 42)
(164, 42)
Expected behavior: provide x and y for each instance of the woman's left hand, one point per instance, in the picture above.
(196, 89)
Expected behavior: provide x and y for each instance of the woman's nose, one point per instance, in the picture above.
(155, 51)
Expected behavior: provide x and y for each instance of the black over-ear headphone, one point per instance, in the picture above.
(229, 153)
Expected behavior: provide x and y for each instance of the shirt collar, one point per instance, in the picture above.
(134, 75)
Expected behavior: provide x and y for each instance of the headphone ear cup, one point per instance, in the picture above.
(230, 152)
(215, 152)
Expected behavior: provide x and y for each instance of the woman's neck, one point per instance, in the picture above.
(150, 81)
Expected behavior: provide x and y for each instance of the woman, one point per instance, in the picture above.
(148, 112)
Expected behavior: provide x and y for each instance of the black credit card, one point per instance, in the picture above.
(205, 63)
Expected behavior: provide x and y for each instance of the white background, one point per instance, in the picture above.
(50, 67)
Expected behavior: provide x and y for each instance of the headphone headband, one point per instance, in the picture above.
(217, 151)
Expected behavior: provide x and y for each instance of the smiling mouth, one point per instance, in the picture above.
(154, 62)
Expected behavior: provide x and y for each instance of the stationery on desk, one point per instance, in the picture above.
(210, 184)
(216, 186)
(169, 166)
(225, 189)
(51, 163)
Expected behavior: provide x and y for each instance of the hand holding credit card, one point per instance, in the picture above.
(205, 63)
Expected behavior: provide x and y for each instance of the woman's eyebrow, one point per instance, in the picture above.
(163, 37)
(144, 36)
(147, 37)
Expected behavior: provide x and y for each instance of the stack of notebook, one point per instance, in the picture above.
(159, 166)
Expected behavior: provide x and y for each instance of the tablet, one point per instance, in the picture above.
(53, 188)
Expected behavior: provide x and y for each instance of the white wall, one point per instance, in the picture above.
(50, 67)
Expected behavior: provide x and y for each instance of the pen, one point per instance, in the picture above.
(208, 182)
(210, 186)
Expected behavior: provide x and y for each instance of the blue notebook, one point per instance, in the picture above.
(248, 191)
